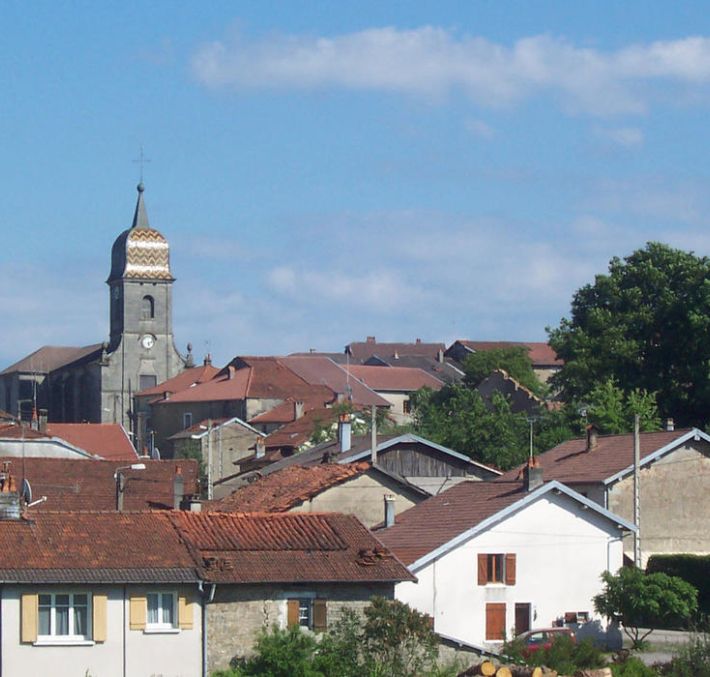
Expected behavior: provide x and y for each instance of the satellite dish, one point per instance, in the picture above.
(26, 492)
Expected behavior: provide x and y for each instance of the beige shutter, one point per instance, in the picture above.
(510, 569)
(29, 618)
(482, 569)
(137, 612)
(185, 613)
(292, 612)
(320, 615)
(99, 603)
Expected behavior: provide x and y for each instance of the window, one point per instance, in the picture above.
(496, 568)
(186, 420)
(63, 615)
(307, 612)
(160, 611)
(161, 608)
(407, 406)
(147, 381)
(148, 308)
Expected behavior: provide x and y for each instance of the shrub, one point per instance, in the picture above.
(564, 655)
(692, 660)
(695, 569)
(632, 667)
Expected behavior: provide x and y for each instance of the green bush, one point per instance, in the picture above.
(695, 569)
(564, 655)
(632, 667)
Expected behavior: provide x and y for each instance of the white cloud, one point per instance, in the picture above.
(480, 129)
(432, 62)
(627, 137)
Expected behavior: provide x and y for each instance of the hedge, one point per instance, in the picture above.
(695, 569)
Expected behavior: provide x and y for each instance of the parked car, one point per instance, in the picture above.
(542, 638)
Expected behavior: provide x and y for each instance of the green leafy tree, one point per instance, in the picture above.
(398, 641)
(645, 324)
(613, 411)
(637, 600)
(514, 360)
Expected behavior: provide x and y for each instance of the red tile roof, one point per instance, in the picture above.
(49, 358)
(362, 350)
(253, 377)
(71, 484)
(287, 488)
(82, 547)
(571, 463)
(287, 548)
(301, 430)
(183, 380)
(403, 379)
(541, 354)
(317, 370)
(285, 412)
(107, 440)
(16, 431)
(439, 519)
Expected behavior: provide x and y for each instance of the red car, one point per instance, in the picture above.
(542, 638)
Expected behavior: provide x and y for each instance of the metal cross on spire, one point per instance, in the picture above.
(141, 160)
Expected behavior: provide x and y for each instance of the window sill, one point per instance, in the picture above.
(161, 631)
(58, 641)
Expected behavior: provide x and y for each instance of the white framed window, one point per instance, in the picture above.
(161, 611)
(64, 616)
(305, 613)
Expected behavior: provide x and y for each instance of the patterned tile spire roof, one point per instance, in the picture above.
(140, 252)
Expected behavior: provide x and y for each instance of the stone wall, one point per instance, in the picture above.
(239, 612)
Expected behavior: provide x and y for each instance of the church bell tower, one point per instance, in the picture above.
(141, 350)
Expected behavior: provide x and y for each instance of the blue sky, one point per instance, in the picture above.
(328, 171)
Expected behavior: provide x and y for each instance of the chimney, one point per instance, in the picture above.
(297, 410)
(43, 420)
(207, 362)
(344, 432)
(592, 437)
(670, 425)
(195, 506)
(166, 395)
(533, 474)
(9, 496)
(178, 488)
(418, 341)
(231, 371)
(389, 510)
(260, 448)
(371, 339)
(440, 356)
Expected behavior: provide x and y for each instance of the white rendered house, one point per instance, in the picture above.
(493, 559)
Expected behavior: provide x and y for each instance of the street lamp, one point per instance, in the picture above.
(120, 479)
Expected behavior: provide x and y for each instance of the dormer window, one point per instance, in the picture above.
(148, 308)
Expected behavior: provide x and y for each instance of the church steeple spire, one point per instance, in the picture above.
(140, 218)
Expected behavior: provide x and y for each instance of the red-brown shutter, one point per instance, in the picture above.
(495, 621)
(510, 568)
(482, 569)
(320, 615)
(292, 612)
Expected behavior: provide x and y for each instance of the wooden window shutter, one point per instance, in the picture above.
(29, 618)
(495, 621)
(137, 612)
(482, 569)
(320, 615)
(99, 604)
(292, 612)
(510, 568)
(185, 613)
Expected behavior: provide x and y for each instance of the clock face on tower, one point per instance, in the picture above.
(148, 341)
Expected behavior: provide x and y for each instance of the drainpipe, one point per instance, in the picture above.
(124, 631)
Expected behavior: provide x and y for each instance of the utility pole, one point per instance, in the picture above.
(373, 436)
(209, 459)
(637, 493)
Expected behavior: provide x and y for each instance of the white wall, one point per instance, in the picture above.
(177, 654)
(561, 551)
